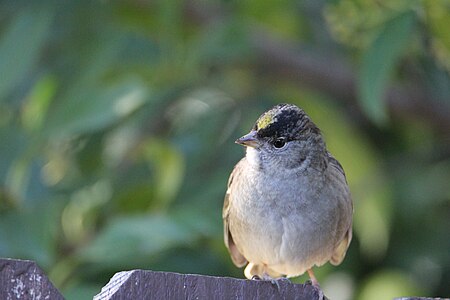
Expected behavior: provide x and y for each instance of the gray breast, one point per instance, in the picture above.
(278, 222)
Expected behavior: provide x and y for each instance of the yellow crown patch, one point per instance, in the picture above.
(266, 120)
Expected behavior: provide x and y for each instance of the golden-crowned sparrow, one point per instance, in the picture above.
(288, 207)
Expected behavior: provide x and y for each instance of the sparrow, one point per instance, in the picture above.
(287, 207)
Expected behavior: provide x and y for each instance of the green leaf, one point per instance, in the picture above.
(438, 22)
(222, 43)
(378, 64)
(93, 109)
(129, 240)
(38, 102)
(168, 165)
(21, 45)
(12, 146)
(91, 103)
(30, 234)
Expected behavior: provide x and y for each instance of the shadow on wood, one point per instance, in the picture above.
(139, 284)
(23, 279)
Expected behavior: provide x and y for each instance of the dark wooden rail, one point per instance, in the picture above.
(23, 279)
(139, 284)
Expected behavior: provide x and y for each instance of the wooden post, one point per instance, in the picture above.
(139, 284)
(23, 279)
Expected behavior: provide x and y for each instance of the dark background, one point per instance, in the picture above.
(118, 121)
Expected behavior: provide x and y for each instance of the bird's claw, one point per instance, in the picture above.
(275, 282)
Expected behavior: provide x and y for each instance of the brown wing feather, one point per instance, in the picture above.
(336, 164)
(237, 258)
(341, 249)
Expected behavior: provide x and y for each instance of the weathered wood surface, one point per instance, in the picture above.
(23, 279)
(139, 284)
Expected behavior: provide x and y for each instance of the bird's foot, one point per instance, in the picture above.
(273, 281)
(276, 281)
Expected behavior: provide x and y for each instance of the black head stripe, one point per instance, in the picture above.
(284, 120)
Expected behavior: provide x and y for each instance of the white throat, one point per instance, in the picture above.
(253, 157)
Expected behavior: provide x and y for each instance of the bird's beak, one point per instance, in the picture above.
(249, 140)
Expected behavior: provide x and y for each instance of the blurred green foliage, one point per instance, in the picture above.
(117, 122)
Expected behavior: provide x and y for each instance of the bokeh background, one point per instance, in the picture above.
(118, 121)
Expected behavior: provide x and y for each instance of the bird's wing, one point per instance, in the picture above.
(337, 165)
(238, 259)
(341, 249)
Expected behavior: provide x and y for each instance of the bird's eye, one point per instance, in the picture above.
(279, 143)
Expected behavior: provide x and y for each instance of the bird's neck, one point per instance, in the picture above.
(317, 154)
